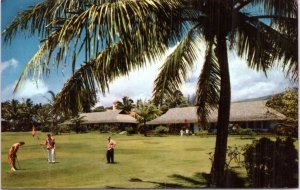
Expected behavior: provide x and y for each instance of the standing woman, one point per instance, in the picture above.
(110, 150)
(12, 155)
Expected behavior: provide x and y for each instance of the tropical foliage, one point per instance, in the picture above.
(119, 36)
(287, 104)
(146, 111)
(19, 116)
(76, 124)
(272, 164)
(126, 105)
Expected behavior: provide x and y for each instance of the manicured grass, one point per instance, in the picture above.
(142, 162)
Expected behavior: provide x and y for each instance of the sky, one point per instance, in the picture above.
(245, 83)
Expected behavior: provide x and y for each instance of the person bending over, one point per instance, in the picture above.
(12, 155)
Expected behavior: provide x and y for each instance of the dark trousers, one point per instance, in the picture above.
(110, 156)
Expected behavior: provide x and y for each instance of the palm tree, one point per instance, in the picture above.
(223, 26)
(77, 120)
(11, 112)
(28, 113)
(119, 36)
(126, 105)
(146, 111)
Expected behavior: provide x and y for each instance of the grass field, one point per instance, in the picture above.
(142, 162)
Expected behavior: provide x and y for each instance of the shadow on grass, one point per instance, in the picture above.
(199, 180)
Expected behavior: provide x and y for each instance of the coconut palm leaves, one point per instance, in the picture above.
(256, 29)
(119, 36)
(208, 87)
(98, 27)
(126, 105)
(174, 70)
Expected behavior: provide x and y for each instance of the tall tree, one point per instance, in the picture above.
(146, 111)
(287, 104)
(263, 32)
(126, 105)
(119, 36)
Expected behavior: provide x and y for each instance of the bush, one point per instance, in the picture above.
(201, 133)
(286, 130)
(79, 128)
(45, 128)
(272, 164)
(65, 129)
(104, 128)
(129, 130)
(246, 131)
(161, 130)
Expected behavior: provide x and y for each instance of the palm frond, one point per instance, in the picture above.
(286, 8)
(41, 18)
(108, 21)
(262, 46)
(174, 71)
(208, 86)
(146, 43)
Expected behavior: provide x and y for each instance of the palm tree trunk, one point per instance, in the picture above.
(218, 174)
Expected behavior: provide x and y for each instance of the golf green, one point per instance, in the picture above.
(141, 162)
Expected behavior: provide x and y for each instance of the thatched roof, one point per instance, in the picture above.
(240, 111)
(109, 116)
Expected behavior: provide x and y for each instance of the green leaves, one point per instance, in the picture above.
(208, 86)
(174, 70)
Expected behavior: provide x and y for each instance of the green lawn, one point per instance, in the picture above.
(142, 162)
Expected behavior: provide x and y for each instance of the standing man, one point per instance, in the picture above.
(50, 143)
(110, 150)
(12, 155)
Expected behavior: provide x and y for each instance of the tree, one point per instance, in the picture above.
(28, 112)
(99, 109)
(77, 120)
(223, 26)
(287, 104)
(124, 34)
(11, 113)
(126, 105)
(146, 111)
(175, 100)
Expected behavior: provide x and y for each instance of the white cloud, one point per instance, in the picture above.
(248, 83)
(138, 85)
(245, 82)
(10, 63)
(28, 89)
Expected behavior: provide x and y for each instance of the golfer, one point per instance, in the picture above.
(50, 143)
(12, 155)
(110, 150)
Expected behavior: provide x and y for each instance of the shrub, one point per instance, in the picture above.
(65, 129)
(272, 164)
(246, 131)
(45, 128)
(104, 128)
(161, 129)
(201, 133)
(286, 130)
(129, 130)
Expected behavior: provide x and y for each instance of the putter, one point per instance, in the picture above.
(18, 163)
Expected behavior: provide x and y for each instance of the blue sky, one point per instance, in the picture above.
(245, 83)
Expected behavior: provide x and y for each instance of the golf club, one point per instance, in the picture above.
(18, 163)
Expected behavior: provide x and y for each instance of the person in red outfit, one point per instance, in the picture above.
(12, 155)
(110, 150)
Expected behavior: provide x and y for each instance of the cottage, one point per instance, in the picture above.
(254, 115)
(111, 118)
